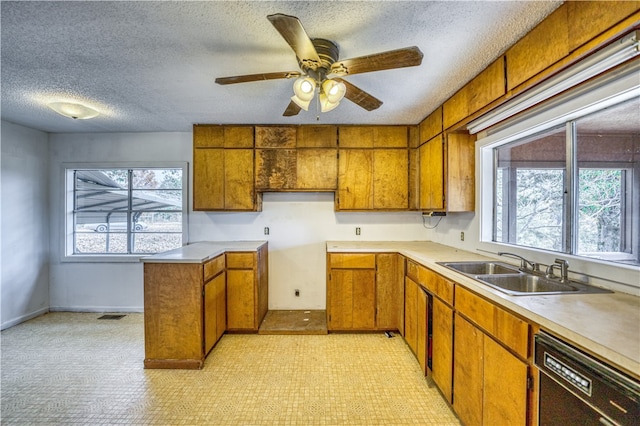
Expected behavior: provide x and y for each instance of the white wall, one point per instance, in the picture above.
(24, 217)
(299, 225)
(82, 286)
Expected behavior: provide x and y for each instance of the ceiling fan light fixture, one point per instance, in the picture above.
(304, 88)
(301, 103)
(334, 90)
(325, 103)
(73, 110)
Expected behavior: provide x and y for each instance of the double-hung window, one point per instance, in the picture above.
(125, 211)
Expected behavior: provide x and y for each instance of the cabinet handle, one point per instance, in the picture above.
(606, 422)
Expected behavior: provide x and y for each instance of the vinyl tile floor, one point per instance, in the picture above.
(72, 369)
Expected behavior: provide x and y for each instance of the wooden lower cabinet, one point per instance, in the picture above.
(416, 321)
(184, 312)
(215, 311)
(364, 291)
(489, 382)
(247, 290)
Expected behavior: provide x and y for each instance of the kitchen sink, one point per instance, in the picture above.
(481, 268)
(516, 282)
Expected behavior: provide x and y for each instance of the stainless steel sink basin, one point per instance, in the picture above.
(511, 280)
(526, 283)
(481, 268)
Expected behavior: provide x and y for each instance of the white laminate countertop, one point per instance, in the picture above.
(605, 324)
(202, 251)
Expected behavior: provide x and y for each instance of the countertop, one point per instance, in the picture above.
(605, 324)
(202, 251)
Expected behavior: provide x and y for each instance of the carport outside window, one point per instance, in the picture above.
(124, 211)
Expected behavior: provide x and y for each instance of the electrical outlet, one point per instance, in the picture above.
(297, 292)
(357, 231)
(461, 236)
(266, 230)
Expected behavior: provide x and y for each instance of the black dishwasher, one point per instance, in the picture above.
(577, 389)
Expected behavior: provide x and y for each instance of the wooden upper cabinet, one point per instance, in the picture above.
(373, 137)
(223, 168)
(276, 137)
(317, 137)
(485, 88)
(447, 173)
(373, 179)
(431, 157)
(296, 158)
(589, 18)
(216, 136)
(546, 44)
(431, 126)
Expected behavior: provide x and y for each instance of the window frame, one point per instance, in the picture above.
(67, 241)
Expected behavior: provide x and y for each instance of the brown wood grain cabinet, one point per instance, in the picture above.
(351, 291)
(447, 173)
(389, 291)
(247, 289)
(364, 291)
(491, 371)
(184, 316)
(223, 168)
(490, 383)
(416, 321)
(303, 158)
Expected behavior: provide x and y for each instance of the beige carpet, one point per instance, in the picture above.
(71, 369)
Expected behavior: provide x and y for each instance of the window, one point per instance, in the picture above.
(125, 210)
(573, 188)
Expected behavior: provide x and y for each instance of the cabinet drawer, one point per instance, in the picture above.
(240, 260)
(351, 261)
(213, 267)
(412, 270)
(501, 324)
(436, 285)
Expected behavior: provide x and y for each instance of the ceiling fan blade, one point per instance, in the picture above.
(257, 77)
(293, 32)
(360, 97)
(401, 58)
(292, 109)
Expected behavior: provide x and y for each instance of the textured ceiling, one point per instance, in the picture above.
(150, 66)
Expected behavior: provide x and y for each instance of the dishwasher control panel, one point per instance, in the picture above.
(569, 374)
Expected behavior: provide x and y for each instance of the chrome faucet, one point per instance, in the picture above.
(523, 262)
(564, 269)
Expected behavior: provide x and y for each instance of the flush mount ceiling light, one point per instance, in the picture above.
(73, 110)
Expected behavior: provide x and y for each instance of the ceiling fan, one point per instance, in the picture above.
(321, 69)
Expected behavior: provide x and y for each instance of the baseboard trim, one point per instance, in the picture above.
(132, 309)
(23, 318)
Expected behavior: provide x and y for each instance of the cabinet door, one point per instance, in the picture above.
(422, 329)
(208, 179)
(223, 179)
(240, 299)
(351, 299)
(390, 179)
(388, 283)
(340, 299)
(431, 174)
(468, 362)
(355, 173)
(210, 316)
(442, 338)
(220, 283)
(364, 299)
(411, 313)
(505, 386)
(239, 192)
